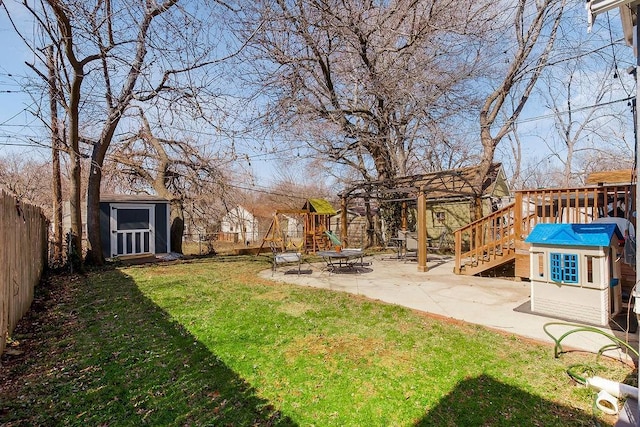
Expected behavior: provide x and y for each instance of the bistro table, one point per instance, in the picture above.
(344, 258)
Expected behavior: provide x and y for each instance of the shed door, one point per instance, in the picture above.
(132, 230)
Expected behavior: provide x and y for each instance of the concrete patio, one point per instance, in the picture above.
(496, 303)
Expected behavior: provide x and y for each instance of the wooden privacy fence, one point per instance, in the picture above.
(23, 257)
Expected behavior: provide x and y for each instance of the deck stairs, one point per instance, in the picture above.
(499, 238)
(486, 243)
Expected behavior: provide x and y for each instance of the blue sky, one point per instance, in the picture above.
(18, 125)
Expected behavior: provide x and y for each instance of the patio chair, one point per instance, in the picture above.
(440, 242)
(283, 258)
(411, 245)
(397, 245)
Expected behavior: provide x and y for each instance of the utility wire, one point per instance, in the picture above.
(288, 148)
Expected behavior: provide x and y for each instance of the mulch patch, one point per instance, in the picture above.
(30, 351)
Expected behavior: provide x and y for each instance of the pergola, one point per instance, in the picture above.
(452, 184)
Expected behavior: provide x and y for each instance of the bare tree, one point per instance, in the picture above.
(361, 80)
(584, 89)
(613, 154)
(27, 180)
(113, 56)
(579, 128)
(59, 35)
(534, 25)
(172, 168)
(56, 145)
(372, 86)
(539, 172)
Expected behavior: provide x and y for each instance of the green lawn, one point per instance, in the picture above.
(206, 342)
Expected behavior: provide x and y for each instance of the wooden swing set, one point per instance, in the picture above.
(315, 220)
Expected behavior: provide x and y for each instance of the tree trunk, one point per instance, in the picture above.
(520, 74)
(177, 225)
(94, 244)
(75, 209)
(55, 160)
(370, 224)
(566, 178)
(489, 147)
(57, 205)
(94, 249)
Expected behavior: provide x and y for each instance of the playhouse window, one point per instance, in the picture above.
(564, 268)
(538, 264)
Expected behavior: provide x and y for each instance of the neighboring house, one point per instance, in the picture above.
(449, 201)
(293, 226)
(243, 223)
(621, 177)
(618, 176)
(66, 218)
(129, 225)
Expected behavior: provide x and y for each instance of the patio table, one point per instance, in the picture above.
(338, 259)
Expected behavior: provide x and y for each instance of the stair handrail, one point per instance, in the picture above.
(501, 235)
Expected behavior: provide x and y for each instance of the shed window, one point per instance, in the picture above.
(440, 217)
(564, 268)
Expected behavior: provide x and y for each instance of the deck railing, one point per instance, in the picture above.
(501, 232)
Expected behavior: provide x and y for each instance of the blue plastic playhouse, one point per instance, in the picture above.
(575, 271)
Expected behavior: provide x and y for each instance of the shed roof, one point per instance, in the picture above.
(132, 198)
(619, 176)
(589, 235)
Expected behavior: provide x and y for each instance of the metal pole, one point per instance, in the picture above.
(637, 132)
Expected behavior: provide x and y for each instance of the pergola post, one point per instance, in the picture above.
(422, 231)
(403, 217)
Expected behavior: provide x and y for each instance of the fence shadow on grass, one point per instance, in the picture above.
(485, 401)
(123, 361)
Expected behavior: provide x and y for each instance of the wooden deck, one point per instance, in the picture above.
(498, 238)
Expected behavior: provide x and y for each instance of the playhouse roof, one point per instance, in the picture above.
(594, 234)
(320, 206)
